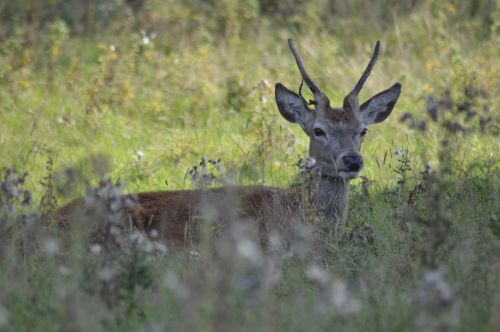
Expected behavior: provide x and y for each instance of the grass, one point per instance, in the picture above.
(141, 106)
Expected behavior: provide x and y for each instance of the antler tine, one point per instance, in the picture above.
(314, 89)
(368, 70)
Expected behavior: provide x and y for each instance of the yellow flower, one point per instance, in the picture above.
(431, 65)
(426, 88)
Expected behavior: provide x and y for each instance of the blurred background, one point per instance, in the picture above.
(101, 96)
(156, 84)
(222, 20)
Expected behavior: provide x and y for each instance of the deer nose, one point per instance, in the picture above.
(353, 163)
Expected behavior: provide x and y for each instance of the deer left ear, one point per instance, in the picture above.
(292, 106)
(379, 107)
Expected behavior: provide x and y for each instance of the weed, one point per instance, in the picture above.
(152, 85)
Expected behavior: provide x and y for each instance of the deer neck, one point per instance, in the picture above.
(330, 197)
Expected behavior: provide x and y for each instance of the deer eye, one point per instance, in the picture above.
(318, 132)
(363, 132)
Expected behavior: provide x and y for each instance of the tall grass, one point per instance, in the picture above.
(135, 92)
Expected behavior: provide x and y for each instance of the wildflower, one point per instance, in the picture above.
(249, 250)
(455, 127)
(438, 307)
(27, 199)
(307, 164)
(422, 125)
(95, 249)
(275, 242)
(398, 153)
(432, 108)
(334, 294)
(106, 274)
(483, 122)
(138, 239)
(139, 155)
(114, 231)
(4, 316)
(50, 247)
(153, 233)
(172, 282)
(364, 233)
(434, 291)
(202, 175)
(64, 270)
(112, 48)
(317, 274)
(341, 301)
(408, 117)
(160, 248)
(218, 165)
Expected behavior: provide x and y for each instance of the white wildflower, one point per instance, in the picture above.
(172, 282)
(160, 248)
(437, 304)
(317, 274)
(4, 316)
(307, 164)
(50, 247)
(275, 242)
(153, 233)
(139, 155)
(95, 249)
(434, 291)
(105, 274)
(64, 270)
(114, 230)
(341, 300)
(249, 250)
(334, 294)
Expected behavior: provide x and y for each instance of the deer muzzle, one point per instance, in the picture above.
(350, 166)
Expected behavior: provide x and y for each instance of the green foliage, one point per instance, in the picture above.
(137, 91)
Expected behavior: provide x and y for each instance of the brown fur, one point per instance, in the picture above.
(175, 215)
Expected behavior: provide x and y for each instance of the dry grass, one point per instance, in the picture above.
(138, 96)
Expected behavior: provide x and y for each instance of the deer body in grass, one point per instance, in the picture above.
(335, 137)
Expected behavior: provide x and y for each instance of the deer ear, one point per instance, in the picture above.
(379, 107)
(291, 106)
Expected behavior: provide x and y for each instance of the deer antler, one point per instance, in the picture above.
(368, 69)
(314, 89)
(352, 98)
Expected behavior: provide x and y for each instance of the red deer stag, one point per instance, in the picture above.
(335, 137)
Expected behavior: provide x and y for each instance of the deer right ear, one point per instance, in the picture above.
(380, 106)
(291, 106)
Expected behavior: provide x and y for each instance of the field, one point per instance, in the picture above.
(104, 97)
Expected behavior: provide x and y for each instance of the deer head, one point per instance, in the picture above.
(335, 134)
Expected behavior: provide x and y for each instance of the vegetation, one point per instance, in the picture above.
(95, 94)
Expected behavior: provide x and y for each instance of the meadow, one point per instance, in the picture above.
(113, 96)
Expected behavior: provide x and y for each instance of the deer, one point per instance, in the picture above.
(335, 137)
